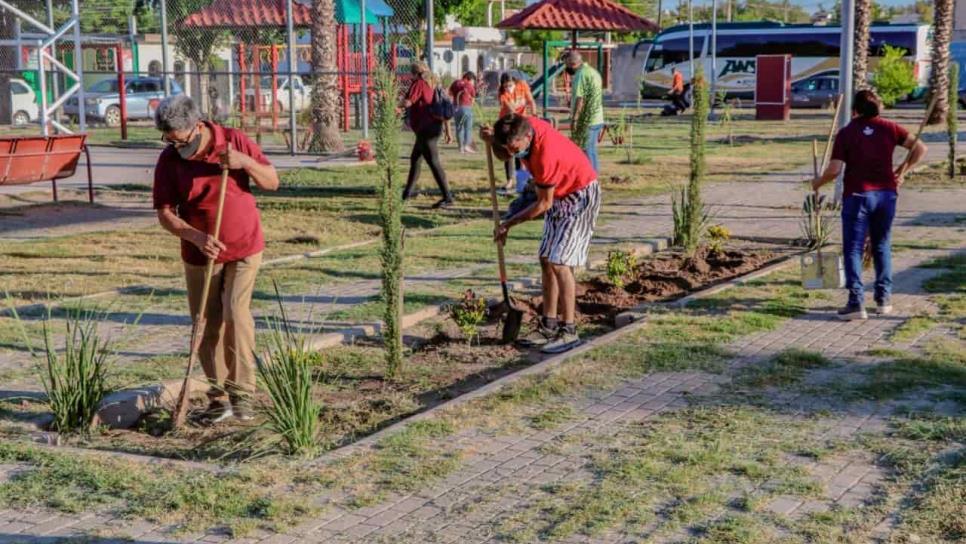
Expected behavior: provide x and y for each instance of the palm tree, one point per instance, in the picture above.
(939, 71)
(325, 92)
(860, 64)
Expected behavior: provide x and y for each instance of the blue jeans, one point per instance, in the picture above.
(593, 133)
(464, 126)
(871, 212)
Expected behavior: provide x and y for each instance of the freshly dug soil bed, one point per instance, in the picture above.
(357, 398)
(665, 276)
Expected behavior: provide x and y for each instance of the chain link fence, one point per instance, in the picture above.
(247, 63)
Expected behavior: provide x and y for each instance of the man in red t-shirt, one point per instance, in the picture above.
(187, 180)
(865, 148)
(463, 91)
(568, 192)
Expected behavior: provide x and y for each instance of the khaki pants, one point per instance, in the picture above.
(227, 351)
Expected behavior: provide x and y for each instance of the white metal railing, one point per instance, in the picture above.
(51, 35)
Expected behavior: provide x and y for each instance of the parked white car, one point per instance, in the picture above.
(23, 103)
(303, 94)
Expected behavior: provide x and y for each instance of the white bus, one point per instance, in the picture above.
(814, 50)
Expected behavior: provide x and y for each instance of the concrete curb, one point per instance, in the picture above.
(122, 409)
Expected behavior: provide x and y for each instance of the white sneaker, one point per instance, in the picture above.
(883, 309)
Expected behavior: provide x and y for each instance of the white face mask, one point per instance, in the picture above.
(510, 88)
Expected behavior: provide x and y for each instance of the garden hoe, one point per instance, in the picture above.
(198, 323)
(514, 315)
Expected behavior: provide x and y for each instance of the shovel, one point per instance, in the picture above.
(198, 323)
(514, 315)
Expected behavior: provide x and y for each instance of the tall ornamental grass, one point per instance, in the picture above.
(75, 378)
(286, 376)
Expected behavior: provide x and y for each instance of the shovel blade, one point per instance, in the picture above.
(512, 324)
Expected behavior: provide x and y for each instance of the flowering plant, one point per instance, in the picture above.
(364, 151)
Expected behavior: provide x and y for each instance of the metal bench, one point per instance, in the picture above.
(30, 159)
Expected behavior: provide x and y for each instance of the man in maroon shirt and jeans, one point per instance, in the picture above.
(864, 148)
(187, 179)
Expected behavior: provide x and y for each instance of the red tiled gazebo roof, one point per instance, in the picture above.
(600, 15)
(248, 13)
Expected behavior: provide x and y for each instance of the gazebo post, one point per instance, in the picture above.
(275, 104)
(242, 65)
(546, 82)
(573, 38)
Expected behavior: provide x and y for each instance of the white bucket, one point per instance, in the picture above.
(823, 270)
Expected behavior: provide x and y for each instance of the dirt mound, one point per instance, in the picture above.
(663, 277)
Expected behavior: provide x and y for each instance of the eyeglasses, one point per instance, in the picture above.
(180, 142)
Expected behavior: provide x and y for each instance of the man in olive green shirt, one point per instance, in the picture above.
(587, 91)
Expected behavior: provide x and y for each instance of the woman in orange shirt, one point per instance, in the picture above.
(515, 97)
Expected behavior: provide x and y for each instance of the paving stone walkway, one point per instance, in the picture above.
(506, 474)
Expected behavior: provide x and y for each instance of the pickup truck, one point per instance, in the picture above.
(303, 94)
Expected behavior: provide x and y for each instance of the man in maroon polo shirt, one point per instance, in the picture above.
(186, 189)
(864, 148)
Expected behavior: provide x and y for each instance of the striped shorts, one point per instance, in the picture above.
(569, 225)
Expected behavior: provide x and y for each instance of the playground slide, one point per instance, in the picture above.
(537, 84)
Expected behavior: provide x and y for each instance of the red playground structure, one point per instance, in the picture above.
(263, 77)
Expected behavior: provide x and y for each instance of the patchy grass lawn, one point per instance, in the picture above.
(710, 469)
(328, 207)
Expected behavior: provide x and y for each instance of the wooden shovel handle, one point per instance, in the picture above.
(496, 210)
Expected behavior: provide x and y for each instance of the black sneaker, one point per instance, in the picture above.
(565, 340)
(539, 336)
(217, 411)
(852, 312)
(443, 203)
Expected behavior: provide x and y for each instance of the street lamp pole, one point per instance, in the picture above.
(691, 39)
(846, 49)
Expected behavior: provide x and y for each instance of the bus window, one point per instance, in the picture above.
(905, 40)
(673, 51)
(797, 44)
(655, 59)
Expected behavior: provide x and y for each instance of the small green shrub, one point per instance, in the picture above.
(894, 77)
(717, 236)
(468, 314)
(286, 375)
(727, 119)
(581, 128)
(619, 264)
(75, 380)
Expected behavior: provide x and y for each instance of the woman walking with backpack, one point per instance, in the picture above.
(428, 128)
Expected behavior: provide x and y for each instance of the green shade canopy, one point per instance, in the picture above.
(348, 12)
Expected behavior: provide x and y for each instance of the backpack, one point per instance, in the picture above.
(442, 107)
